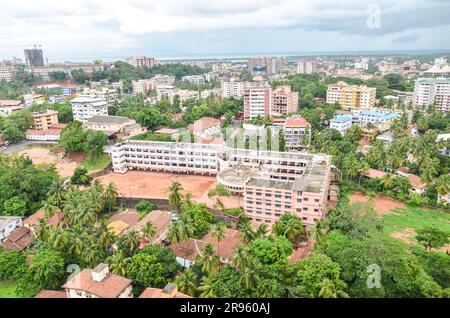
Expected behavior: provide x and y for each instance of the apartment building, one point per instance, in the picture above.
(297, 133)
(106, 93)
(257, 100)
(42, 120)
(198, 80)
(85, 107)
(284, 101)
(342, 123)
(375, 117)
(205, 127)
(211, 76)
(266, 199)
(164, 79)
(232, 88)
(306, 67)
(142, 86)
(165, 156)
(7, 72)
(351, 96)
(265, 65)
(141, 61)
(428, 91)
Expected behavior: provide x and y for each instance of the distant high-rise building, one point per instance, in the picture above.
(265, 65)
(232, 88)
(141, 61)
(306, 67)
(34, 57)
(7, 72)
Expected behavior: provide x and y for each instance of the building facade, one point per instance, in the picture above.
(306, 67)
(351, 96)
(342, 123)
(232, 88)
(141, 61)
(7, 72)
(257, 100)
(198, 80)
(44, 119)
(284, 101)
(34, 57)
(85, 107)
(297, 133)
(265, 65)
(428, 91)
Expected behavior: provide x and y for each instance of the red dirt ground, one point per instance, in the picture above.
(65, 167)
(383, 204)
(155, 185)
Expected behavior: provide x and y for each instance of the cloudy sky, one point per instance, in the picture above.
(86, 29)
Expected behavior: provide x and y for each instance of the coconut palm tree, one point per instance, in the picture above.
(188, 200)
(110, 195)
(261, 231)
(289, 226)
(58, 238)
(181, 231)
(242, 256)
(442, 184)
(175, 196)
(91, 254)
(76, 243)
(318, 231)
(118, 264)
(132, 240)
(149, 230)
(250, 277)
(205, 288)
(96, 199)
(186, 282)
(57, 192)
(42, 230)
(387, 181)
(361, 169)
(218, 232)
(49, 207)
(248, 234)
(209, 259)
(105, 237)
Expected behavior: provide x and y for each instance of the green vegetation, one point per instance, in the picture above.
(152, 137)
(8, 290)
(94, 165)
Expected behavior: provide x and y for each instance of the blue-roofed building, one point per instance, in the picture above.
(342, 123)
(375, 117)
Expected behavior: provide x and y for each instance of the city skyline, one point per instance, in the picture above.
(175, 29)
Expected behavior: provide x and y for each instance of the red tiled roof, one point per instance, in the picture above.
(18, 240)
(45, 293)
(10, 102)
(160, 219)
(297, 122)
(128, 217)
(415, 181)
(192, 248)
(374, 173)
(204, 123)
(33, 219)
(156, 293)
(110, 287)
(34, 132)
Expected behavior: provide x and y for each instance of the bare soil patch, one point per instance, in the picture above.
(383, 204)
(39, 155)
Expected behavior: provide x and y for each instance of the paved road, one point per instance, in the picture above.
(24, 144)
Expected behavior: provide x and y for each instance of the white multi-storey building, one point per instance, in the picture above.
(165, 156)
(8, 224)
(342, 123)
(194, 79)
(257, 100)
(306, 67)
(85, 107)
(142, 86)
(232, 88)
(428, 91)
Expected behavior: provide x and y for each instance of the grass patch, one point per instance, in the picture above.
(8, 290)
(99, 164)
(416, 218)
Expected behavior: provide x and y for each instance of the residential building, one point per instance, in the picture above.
(198, 80)
(284, 101)
(187, 252)
(205, 127)
(42, 120)
(106, 93)
(351, 96)
(141, 61)
(297, 133)
(428, 91)
(438, 71)
(265, 65)
(34, 57)
(211, 76)
(7, 106)
(164, 79)
(267, 199)
(160, 219)
(98, 283)
(375, 117)
(306, 67)
(165, 156)
(33, 220)
(169, 291)
(7, 72)
(232, 88)
(85, 107)
(19, 240)
(445, 140)
(164, 91)
(257, 100)
(142, 86)
(7, 225)
(342, 123)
